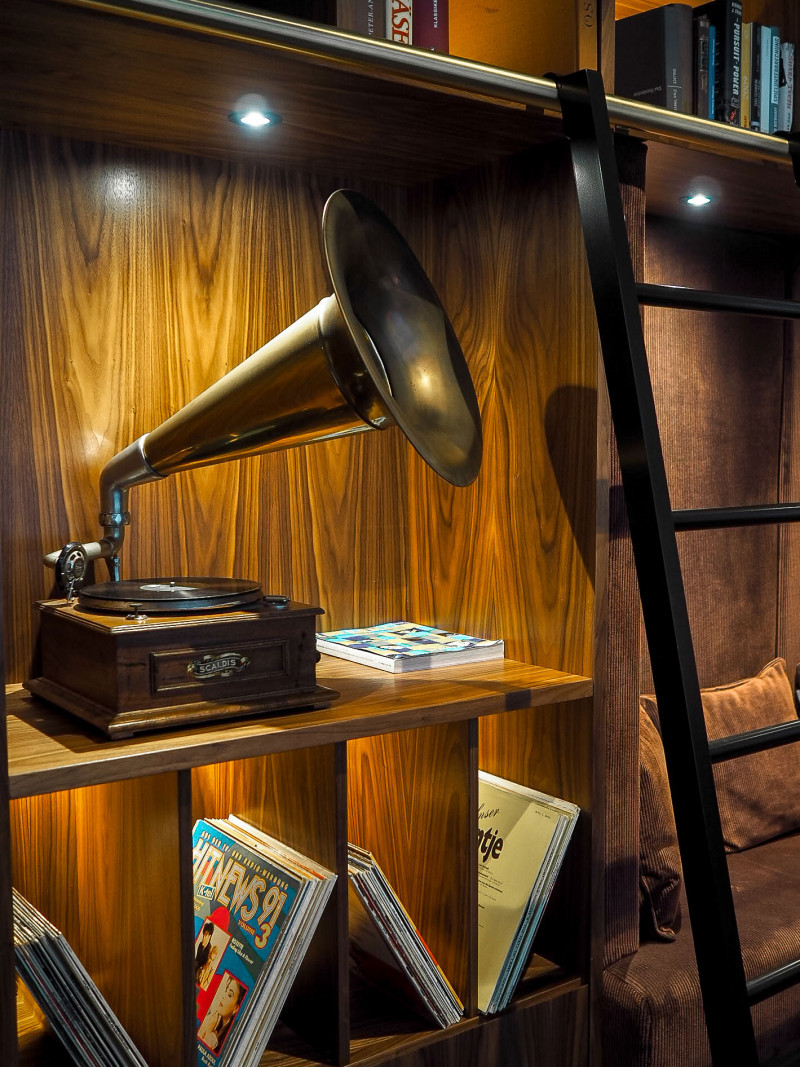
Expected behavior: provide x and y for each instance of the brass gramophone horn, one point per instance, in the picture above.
(379, 351)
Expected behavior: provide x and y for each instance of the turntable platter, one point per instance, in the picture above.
(161, 596)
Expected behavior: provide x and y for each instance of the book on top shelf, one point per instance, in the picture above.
(654, 57)
(407, 646)
(257, 904)
(726, 18)
(430, 30)
(522, 839)
(367, 17)
(387, 947)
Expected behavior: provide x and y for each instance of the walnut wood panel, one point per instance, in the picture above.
(50, 750)
(539, 1032)
(117, 78)
(718, 382)
(102, 864)
(409, 803)
(540, 749)
(508, 259)
(298, 797)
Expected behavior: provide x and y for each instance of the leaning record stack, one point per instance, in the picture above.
(387, 946)
(261, 959)
(70, 1000)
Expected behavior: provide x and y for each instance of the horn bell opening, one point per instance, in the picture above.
(403, 336)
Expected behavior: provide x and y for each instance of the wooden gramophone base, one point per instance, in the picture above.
(125, 675)
(127, 723)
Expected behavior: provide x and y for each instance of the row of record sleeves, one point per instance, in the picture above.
(707, 61)
(257, 905)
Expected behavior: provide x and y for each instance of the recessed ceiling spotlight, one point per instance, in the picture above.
(698, 199)
(254, 118)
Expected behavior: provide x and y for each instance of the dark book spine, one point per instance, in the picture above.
(701, 66)
(654, 57)
(367, 17)
(726, 17)
(430, 25)
(678, 57)
(755, 79)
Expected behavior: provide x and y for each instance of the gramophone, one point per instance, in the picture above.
(379, 351)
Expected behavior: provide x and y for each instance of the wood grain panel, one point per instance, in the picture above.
(525, 572)
(298, 797)
(155, 278)
(409, 803)
(102, 864)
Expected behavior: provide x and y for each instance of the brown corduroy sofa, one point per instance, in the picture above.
(652, 1014)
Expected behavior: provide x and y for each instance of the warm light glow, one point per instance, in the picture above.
(698, 200)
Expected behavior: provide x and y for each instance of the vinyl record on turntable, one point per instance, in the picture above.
(162, 596)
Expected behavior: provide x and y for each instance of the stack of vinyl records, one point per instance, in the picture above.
(257, 903)
(522, 838)
(70, 1000)
(387, 946)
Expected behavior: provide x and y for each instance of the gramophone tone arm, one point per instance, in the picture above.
(128, 468)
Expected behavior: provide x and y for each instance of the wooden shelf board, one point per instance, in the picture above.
(49, 750)
(101, 75)
(383, 1029)
(748, 195)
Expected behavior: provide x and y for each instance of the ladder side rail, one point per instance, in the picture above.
(708, 890)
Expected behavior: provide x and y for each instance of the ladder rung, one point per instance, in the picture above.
(676, 296)
(746, 515)
(772, 982)
(781, 733)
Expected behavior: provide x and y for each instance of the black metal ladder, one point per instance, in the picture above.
(727, 995)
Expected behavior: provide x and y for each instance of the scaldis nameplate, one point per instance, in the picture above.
(143, 670)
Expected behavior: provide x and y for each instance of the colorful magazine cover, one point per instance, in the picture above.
(406, 646)
(242, 904)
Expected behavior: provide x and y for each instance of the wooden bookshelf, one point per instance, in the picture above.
(148, 246)
(50, 750)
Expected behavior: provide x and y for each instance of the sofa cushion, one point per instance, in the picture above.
(758, 794)
(659, 857)
(652, 1012)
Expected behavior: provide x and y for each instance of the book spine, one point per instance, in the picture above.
(786, 87)
(367, 17)
(713, 63)
(672, 62)
(747, 71)
(755, 78)
(399, 21)
(766, 79)
(700, 92)
(430, 29)
(775, 77)
(726, 17)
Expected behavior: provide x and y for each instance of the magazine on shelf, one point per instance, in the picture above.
(257, 903)
(388, 948)
(73, 1005)
(407, 646)
(522, 838)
